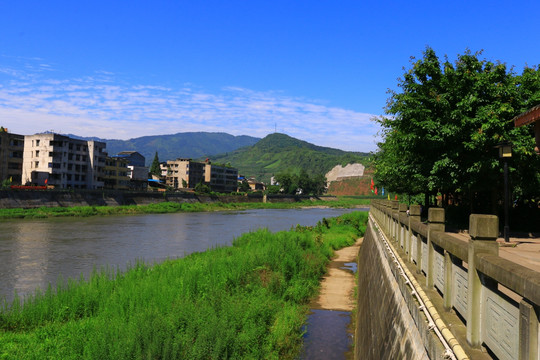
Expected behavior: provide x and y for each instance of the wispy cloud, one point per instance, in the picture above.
(102, 105)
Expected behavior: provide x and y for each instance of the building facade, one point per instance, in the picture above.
(11, 156)
(221, 178)
(63, 162)
(116, 173)
(137, 171)
(184, 173)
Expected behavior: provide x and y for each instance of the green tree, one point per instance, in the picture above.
(444, 123)
(244, 186)
(202, 188)
(155, 169)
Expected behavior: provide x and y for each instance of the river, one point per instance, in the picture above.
(35, 253)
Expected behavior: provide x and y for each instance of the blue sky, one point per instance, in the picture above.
(315, 70)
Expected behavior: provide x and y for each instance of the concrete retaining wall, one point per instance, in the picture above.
(27, 199)
(384, 326)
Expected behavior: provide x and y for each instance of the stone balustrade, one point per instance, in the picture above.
(498, 300)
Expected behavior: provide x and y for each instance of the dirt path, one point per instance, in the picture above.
(337, 287)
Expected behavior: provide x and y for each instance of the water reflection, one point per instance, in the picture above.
(327, 336)
(34, 253)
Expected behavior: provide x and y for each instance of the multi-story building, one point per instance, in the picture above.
(63, 162)
(11, 156)
(221, 178)
(116, 173)
(186, 173)
(134, 158)
(137, 171)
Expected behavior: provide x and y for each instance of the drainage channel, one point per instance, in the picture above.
(328, 334)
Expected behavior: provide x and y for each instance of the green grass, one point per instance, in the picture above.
(246, 301)
(169, 207)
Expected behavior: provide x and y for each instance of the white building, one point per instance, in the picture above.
(63, 162)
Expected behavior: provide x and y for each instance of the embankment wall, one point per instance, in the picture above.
(27, 199)
(384, 326)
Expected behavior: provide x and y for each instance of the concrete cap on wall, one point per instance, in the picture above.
(483, 227)
(402, 207)
(414, 210)
(436, 215)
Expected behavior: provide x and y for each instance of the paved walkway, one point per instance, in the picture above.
(523, 250)
(337, 287)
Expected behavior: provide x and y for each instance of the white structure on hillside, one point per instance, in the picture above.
(340, 173)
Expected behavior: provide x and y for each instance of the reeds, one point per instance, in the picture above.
(243, 301)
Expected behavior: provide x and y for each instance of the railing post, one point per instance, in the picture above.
(435, 223)
(395, 209)
(414, 215)
(386, 222)
(448, 281)
(402, 237)
(483, 230)
(528, 330)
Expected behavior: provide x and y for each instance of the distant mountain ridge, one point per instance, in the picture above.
(170, 147)
(279, 152)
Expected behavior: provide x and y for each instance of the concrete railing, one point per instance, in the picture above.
(470, 277)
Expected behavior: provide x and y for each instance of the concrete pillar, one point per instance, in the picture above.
(435, 223)
(402, 239)
(393, 223)
(447, 296)
(528, 330)
(414, 215)
(483, 230)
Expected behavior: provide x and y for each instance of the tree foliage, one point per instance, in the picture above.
(291, 183)
(155, 169)
(442, 127)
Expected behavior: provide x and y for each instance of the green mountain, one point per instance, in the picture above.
(280, 152)
(186, 145)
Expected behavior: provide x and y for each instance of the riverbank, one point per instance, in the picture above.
(244, 301)
(173, 207)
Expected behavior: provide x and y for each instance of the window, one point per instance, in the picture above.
(37, 153)
(36, 164)
(37, 142)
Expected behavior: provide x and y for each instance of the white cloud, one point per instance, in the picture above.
(103, 106)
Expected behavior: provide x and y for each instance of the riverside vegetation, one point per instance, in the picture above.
(170, 207)
(248, 300)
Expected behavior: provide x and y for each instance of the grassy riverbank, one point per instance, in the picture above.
(248, 300)
(170, 207)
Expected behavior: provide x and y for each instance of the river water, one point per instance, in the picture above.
(34, 253)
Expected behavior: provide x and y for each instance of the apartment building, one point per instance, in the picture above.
(184, 173)
(220, 178)
(11, 156)
(63, 162)
(137, 171)
(116, 173)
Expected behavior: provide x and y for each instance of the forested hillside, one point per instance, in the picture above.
(279, 152)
